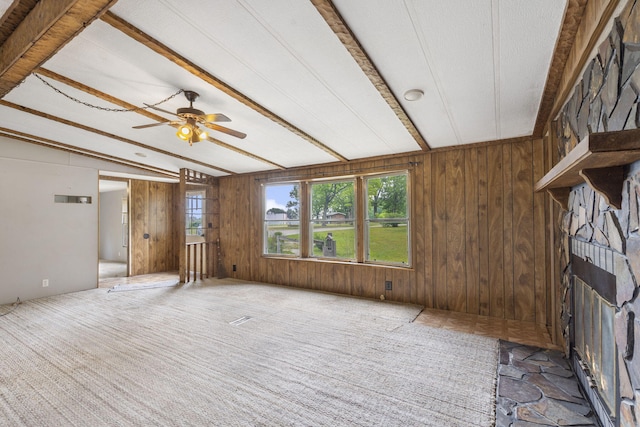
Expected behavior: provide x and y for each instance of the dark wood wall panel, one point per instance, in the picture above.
(523, 252)
(417, 191)
(364, 283)
(484, 290)
(456, 286)
(471, 220)
(235, 228)
(495, 196)
(152, 212)
(507, 232)
(426, 219)
(439, 243)
(540, 235)
(212, 226)
(478, 234)
(139, 215)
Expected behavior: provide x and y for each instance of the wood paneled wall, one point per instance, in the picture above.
(152, 212)
(478, 234)
(487, 232)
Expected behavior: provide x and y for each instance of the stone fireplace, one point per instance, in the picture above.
(598, 249)
(601, 258)
(600, 262)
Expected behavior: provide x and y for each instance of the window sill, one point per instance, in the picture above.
(342, 261)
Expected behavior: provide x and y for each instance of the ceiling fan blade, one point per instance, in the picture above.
(148, 126)
(215, 118)
(226, 130)
(160, 109)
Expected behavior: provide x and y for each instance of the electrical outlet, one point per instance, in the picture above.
(388, 285)
(45, 283)
(234, 267)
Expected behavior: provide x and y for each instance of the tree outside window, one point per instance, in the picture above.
(332, 222)
(387, 221)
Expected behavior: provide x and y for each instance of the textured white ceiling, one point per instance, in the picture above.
(4, 5)
(482, 65)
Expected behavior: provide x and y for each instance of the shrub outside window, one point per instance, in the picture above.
(387, 219)
(332, 222)
(282, 219)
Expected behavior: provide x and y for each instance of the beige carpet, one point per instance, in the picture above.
(236, 354)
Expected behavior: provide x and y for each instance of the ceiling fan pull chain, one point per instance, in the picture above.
(115, 110)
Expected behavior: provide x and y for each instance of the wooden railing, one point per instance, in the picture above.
(199, 260)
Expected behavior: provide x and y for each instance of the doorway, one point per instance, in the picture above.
(113, 251)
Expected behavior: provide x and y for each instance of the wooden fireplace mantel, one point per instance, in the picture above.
(598, 160)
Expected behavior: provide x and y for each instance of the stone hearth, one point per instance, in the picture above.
(536, 387)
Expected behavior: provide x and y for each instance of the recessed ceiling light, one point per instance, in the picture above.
(141, 155)
(413, 94)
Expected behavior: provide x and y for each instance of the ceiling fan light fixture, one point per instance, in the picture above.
(200, 134)
(185, 131)
(182, 136)
(195, 137)
(190, 117)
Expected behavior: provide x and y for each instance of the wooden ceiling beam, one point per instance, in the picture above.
(584, 21)
(98, 94)
(44, 31)
(145, 112)
(107, 134)
(153, 44)
(333, 18)
(13, 16)
(570, 24)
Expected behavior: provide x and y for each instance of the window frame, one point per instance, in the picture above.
(265, 221)
(189, 210)
(360, 218)
(310, 220)
(406, 218)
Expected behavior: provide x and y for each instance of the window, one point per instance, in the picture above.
(281, 229)
(332, 223)
(195, 213)
(387, 219)
(332, 227)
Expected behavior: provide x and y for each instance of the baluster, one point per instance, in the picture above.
(201, 259)
(188, 263)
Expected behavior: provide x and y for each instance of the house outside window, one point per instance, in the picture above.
(281, 226)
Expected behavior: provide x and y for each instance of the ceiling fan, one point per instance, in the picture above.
(190, 117)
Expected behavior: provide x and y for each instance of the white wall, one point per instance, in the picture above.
(40, 239)
(111, 226)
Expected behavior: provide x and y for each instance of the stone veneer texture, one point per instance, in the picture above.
(606, 99)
